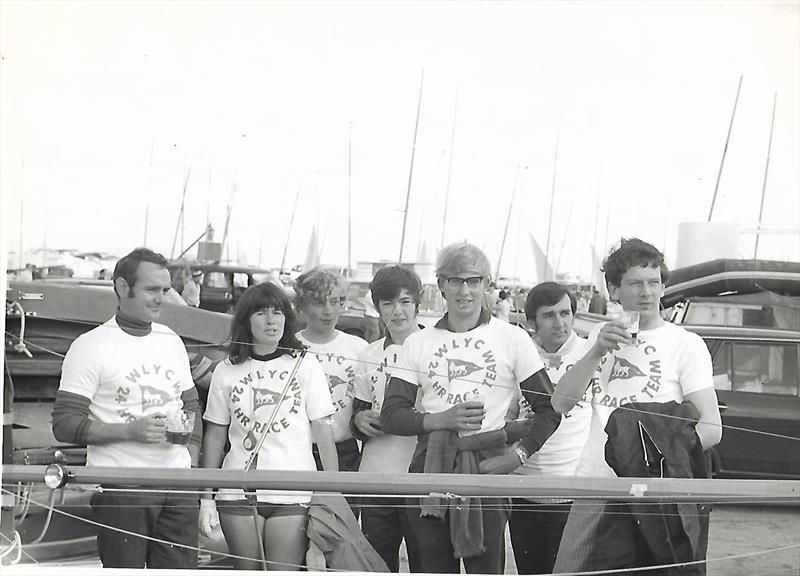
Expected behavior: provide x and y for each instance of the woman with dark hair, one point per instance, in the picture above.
(264, 398)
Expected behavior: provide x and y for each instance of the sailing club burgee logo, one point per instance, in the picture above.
(334, 381)
(153, 397)
(460, 368)
(264, 397)
(624, 370)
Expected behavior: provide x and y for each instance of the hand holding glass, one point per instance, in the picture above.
(180, 425)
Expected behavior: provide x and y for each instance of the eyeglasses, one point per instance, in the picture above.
(472, 281)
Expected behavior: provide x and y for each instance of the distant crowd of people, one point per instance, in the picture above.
(472, 394)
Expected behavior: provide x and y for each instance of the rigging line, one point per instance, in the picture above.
(157, 540)
(586, 573)
(554, 394)
(615, 498)
(15, 544)
(680, 564)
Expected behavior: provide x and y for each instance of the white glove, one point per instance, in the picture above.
(209, 518)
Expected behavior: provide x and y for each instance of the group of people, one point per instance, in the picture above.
(471, 395)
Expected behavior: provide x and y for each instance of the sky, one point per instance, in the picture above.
(617, 111)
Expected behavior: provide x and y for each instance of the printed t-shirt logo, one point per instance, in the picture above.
(264, 397)
(460, 368)
(624, 370)
(153, 397)
(334, 381)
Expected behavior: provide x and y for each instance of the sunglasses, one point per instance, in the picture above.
(472, 281)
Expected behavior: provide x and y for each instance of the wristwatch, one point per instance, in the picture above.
(521, 453)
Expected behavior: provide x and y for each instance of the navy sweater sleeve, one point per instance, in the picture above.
(398, 415)
(71, 417)
(538, 391)
(191, 403)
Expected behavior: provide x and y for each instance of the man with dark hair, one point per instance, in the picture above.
(396, 295)
(467, 371)
(662, 367)
(119, 381)
(536, 524)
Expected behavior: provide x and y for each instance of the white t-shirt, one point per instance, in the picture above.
(129, 377)
(338, 359)
(243, 397)
(503, 309)
(386, 453)
(668, 363)
(560, 454)
(486, 363)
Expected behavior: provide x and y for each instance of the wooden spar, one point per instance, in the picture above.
(766, 171)
(725, 150)
(552, 201)
(289, 232)
(637, 489)
(349, 196)
(449, 171)
(179, 223)
(411, 168)
(508, 219)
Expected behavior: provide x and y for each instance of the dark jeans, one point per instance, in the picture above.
(536, 533)
(161, 515)
(385, 524)
(436, 549)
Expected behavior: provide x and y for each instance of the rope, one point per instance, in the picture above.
(585, 573)
(471, 381)
(16, 544)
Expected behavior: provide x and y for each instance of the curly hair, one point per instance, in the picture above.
(255, 298)
(317, 284)
(632, 252)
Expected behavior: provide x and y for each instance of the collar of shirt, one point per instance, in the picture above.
(554, 358)
(132, 326)
(387, 341)
(482, 319)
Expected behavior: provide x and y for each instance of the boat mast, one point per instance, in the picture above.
(227, 221)
(449, 170)
(289, 232)
(349, 196)
(147, 203)
(508, 219)
(552, 201)
(766, 171)
(179, 224)
(725, 149)
(411, 168)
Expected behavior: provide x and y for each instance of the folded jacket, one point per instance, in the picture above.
(447, 454)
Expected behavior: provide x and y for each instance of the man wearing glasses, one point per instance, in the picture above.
(320, 295)
(467, 369)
